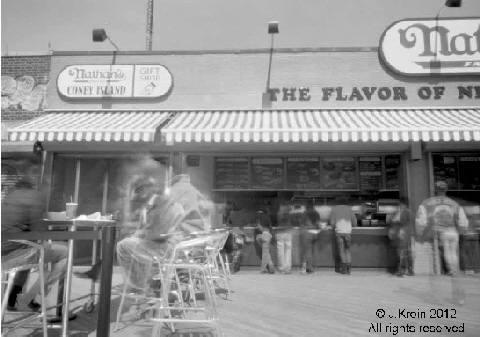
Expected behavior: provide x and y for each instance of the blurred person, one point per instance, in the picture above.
(342, 219)
(256, 243)
(265, 240)
(166, 216)
(308, 237)
(238, 244)
(284, 242)
(402, 230)
(22, 210)
(441, 218)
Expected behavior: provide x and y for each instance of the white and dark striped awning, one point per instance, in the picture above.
(324, 125)
(75, 126)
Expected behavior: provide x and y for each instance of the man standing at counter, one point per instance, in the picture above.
(442, 217)
(343, 219)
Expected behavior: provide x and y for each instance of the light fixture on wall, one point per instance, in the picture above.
(272, 30)
(435, 64)
(100, 35)
(37, 148)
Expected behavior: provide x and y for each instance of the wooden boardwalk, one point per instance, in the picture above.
(321, 304)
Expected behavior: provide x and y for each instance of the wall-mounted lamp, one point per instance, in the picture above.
(100, 35)
(37, 148)
(272, 30)
(435, 64)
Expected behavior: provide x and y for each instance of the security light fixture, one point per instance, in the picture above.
(100, 35)
(273, 27)
(453, 3)
(37, 148)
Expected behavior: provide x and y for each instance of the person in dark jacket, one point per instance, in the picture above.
(403, 223)
(308, 237)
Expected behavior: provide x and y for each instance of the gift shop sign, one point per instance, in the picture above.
(421, 47)
(116, 81)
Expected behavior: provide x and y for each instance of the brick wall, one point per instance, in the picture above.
(24, 86)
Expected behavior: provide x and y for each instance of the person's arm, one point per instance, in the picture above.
(462, 220)
(421, 220)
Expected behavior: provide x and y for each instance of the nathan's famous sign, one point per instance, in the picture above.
(421, 47)
(116, 81)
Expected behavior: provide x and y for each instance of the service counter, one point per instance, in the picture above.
(370, 248)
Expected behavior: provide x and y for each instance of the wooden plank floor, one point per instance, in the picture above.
(321, 304)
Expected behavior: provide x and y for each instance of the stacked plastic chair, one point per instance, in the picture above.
(8, 275)
(190, 268)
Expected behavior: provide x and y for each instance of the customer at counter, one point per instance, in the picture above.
(265, 240)
(308, 236)
(283, 237)
(401, 230)
(342, 219)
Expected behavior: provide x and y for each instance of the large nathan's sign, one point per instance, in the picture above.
(116, 81)
(421, 47)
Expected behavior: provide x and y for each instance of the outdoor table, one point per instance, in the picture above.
(107, 236)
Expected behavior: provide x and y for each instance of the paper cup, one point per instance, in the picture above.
(71, 210)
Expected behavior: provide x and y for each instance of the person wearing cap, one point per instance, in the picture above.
(442, 218)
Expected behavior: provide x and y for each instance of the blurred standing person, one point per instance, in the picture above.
(22, 210)
(265, 240)
(343, 219)
(257, 245)
(238, 243)
(283, 237)
(308, 237)
(402, 228)
(440, 218)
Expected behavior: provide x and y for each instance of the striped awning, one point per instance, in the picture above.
(324, 125)
(88, 126)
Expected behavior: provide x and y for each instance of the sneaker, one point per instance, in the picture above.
(34, 306)
(286, 272)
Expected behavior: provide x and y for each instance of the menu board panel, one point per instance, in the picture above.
(267, 173)
(231, 173)
(303, 173)
(445, 169)
(469, 168)
(392, 167)
(339, 173)
(370, 169)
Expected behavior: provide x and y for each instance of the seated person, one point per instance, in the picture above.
(22, 210)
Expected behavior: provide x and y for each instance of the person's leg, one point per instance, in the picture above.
(446, 241)
(309, 252)
(55, 253)
(303, 247)
(135, 256)
(348, 257)
(18, 283)
(265, 256)
(236, 262)
(341, 252)
(270, 266)
(288, 251)
(280, 251)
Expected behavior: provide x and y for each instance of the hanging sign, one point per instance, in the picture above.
(115, 81)
(422, 47)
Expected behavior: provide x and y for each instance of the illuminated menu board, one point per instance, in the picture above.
(231, 173)
(303, 173)
(267, 173)
(370, 169)
(339, 173)
(469, 167)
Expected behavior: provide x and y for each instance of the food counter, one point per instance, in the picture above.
(370, 248)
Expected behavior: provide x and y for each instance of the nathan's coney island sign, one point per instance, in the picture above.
(421, 47)
(116, 81)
